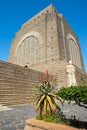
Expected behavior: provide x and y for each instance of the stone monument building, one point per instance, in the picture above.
(47, 41)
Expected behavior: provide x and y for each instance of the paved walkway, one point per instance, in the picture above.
(13, 117)
(74, 111)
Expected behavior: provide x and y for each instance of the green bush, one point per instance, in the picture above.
(74, 93)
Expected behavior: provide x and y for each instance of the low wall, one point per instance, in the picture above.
(33, 124)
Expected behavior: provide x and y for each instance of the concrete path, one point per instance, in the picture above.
(13, 117)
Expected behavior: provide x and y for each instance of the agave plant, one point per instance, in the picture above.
(46, 99)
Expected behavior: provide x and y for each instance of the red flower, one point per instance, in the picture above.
(40, 78)
(45, 79)
(47, 75)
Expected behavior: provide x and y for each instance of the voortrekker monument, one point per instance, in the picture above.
(45, 42)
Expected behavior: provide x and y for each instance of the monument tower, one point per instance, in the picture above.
(47, 41)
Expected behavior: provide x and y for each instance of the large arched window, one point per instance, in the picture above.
(28, 52)
(74, 52)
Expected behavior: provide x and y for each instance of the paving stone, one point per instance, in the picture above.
(14, 119)
(70, 110)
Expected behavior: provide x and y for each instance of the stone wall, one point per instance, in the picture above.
(81, 77)
(55, 68)
(16, 84)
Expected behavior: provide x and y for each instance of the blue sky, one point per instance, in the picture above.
(13, 13)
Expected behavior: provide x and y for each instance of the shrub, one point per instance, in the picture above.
(74, 93)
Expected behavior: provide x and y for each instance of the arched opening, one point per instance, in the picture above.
(74, 52)
(28, 51)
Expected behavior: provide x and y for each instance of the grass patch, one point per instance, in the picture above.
(54, 117)
(38, 117)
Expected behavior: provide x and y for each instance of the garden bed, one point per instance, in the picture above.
(34, 124)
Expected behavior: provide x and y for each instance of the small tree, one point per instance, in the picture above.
(74, 93)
